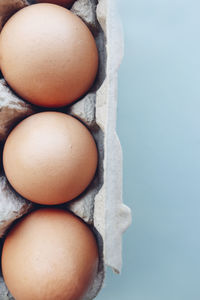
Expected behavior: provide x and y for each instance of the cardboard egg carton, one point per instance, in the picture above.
(101, 204)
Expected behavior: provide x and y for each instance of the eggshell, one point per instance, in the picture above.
(48, 55)
(49, 255)
(66, 3)
(50, 158)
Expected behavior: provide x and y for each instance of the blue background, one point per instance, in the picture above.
(159, 128)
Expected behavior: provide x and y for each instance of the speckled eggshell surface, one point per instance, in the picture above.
(49, 255)
(50, 158)
(48, 55)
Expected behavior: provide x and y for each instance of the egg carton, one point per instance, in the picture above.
(101, 204)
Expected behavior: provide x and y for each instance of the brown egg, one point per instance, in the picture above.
(48, 55)
(66, 3)
(49, 255)
(50, 158)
